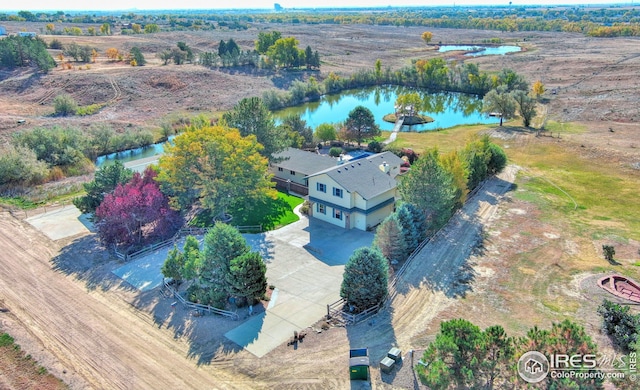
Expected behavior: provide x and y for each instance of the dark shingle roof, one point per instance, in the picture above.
(304, 162)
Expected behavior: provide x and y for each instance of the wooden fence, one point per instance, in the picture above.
(336, 310)
(195, 231)
(200, 308)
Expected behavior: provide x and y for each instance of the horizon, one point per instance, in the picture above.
(159, 5)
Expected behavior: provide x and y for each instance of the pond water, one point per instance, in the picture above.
(447, 109)
(479, 50)
(133, 154)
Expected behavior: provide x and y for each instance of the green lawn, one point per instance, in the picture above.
(270, 213)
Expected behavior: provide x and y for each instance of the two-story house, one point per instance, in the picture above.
(292, 166)
(356, 194)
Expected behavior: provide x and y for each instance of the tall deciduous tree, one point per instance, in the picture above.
(454, 164)
(526, 106)
(217, 167)
(251, 117)
(427, 36)
(537, 89)
(136, 212)
(247, 277)
(499, 101)
(391, 239)
(266, 40)
(365, 278)
(431, 188)
(326, 132)
(284, 52)
(105, 181)
(361, 124)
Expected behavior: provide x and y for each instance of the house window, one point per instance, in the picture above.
(337, 214)
(337, 192)
(293, 173)
(280, 169)
(321, 208)
(321, 187)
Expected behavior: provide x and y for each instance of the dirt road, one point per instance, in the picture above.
(99, 339)
(436, 277)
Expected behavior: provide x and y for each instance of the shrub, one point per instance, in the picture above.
(375, 147)
(56, 45)
(64, 105)
(620, 324)
(20, 165)
(88, 110)
(335, 152)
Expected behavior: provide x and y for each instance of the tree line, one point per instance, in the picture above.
(500, 18)
(271, 51)
(41, 154)
(22, 52)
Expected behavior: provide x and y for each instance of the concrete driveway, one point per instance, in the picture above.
(305, 262)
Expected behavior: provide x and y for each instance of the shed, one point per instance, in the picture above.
(359, 364)
(3, 30)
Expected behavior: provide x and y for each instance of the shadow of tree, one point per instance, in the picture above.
(377, 335)
(87, 260)
(444, 263)
(266, 212)
(203, 333)
(261, 244)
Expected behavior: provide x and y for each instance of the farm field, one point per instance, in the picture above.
(574, 189)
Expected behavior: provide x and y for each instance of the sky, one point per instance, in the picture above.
(74, 5)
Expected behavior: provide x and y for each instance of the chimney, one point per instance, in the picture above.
(384, 167)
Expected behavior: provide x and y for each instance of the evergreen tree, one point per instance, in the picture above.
(173, 264)
(391, 239)
(247, 277)
(251, 117)
(410, 232)
(192, 255)
(365, 278)
(222, 244)
(106, 180)
(419, 220)
(431, 188)
(136, 55)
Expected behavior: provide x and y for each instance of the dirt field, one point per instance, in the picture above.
(65, 308)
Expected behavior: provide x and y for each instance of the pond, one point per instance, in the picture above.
(447, 109)
(479, 50)
(133, 154)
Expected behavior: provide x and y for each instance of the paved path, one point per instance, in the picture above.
(394, 132)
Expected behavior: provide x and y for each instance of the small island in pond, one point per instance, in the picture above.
(409, 120)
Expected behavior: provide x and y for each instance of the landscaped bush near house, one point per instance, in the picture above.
(335, 152)
(375, 147)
